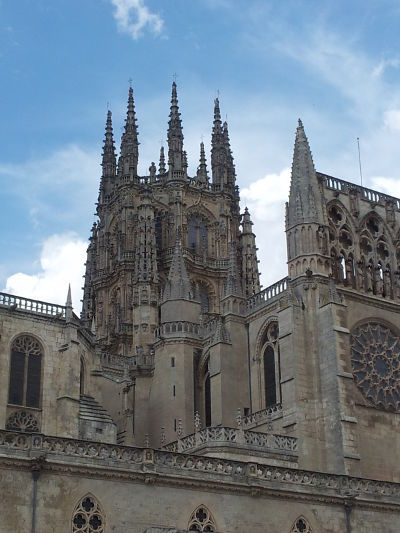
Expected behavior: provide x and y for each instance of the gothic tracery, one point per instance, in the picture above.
(202, 520)
(88, 516)
(375, 358)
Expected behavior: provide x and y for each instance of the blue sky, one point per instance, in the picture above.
(335, 64)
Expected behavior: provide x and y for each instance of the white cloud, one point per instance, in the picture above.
(133, 16)
(392, 119)
(383, 65)
(266, 199)
(61, 262)
(390, 186)
(57, 189)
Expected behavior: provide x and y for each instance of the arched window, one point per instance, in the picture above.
(301, 525)
(88, 516)
(269, 376)
(202, 520)
(82, 378)
(25, 372)
(207, 397)
(270, 360)
(197, 234)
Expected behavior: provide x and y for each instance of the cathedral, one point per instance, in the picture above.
(186, 398)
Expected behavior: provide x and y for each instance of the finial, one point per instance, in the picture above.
(300, 123)
(69, 297)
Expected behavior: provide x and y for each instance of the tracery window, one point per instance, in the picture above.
(197, 234)
(202, 520)
(25, 372)
(375, 360)
(301, 525)
(342, 246)
(270, 359)
(88, 516)
(22, 421)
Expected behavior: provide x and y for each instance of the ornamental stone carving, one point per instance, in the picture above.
(22, 421)
(375, 359)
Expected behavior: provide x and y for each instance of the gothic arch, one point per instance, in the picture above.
(202, 520)
(26, 370)
(88, 516)
(208, 285)
(301, 525)
(201, 210)
(261, 335)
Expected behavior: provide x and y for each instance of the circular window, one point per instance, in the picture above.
(375, 359)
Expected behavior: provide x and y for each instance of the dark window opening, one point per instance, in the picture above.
(269, 376)
(207, 400)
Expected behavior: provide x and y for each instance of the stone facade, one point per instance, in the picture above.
(185, 398)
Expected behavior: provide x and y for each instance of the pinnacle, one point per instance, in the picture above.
(69, 297)
(178, 286)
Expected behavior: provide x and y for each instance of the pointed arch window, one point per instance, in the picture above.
(202, 521)
(301, 525)
(25, 372)
(88, 516)
(197, 234)
(271, 365)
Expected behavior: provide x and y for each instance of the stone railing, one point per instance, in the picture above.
(32, 306)
(162, 462)
(263, 416)
(225, 436)
(197, 259)
(121, 362)
(177, 328)
(264, 296)
(370, 195)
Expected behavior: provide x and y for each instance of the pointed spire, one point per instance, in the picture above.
(68, 305)
(178, 286)
(233, 283)
(304, 187)
(109, 161)
(176, 161)
(161, 166)
(202, 176)
(231, 172)
(129, 153)
(246, 222)
(218, 152)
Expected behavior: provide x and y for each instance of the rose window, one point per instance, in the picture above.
(375, 359)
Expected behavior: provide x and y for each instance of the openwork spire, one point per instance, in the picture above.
(246, 222)
(305, 196)
(230, 167)
(178, 285)
(251, 275)
(129, 153)
(233, 286)
(217, 147)
(161, 166)
(109, 161)
(176, 159)
(202, 176)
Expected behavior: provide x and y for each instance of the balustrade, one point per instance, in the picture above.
(32, 306)
(264, 296)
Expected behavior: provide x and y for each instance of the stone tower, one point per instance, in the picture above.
(166, 250)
